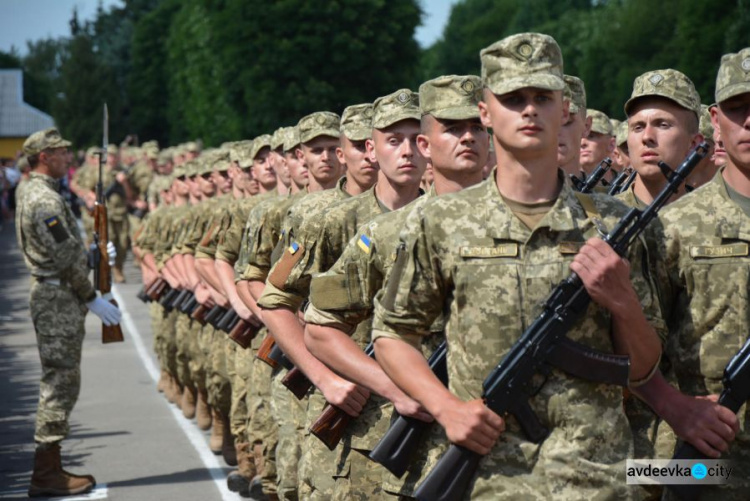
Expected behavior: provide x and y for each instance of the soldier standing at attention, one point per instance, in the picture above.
(598, 144)
(486, 258)
(60, 295)
(574, 129)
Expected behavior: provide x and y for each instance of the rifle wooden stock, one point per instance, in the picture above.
(296, 382)
(330, 425)
(156, 289)
(199, 315)
(243, 333)
(265, 350)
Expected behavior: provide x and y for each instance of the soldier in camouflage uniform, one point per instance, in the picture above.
(620, 157)
(60, 295)
(486, 258)
(705, 251)
(139, 178)
(707, 168)
(598, 144)
(663, 113)
(82, 178)
(575, 129)
(342, 298)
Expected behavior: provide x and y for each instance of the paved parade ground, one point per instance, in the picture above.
(125, 433)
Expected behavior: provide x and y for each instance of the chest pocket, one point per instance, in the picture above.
(717, 278)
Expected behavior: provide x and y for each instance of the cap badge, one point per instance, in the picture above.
(320, 119)
(368, 112)
(525, 50)
(656, 78)
(745, 64)
(403, 98)
(468, 86)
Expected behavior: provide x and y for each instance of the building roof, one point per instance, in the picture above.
(18, 119)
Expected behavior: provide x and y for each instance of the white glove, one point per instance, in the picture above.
(111, 253)
(109, 313)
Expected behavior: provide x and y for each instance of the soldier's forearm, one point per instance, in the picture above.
(243, 291)
(207, 272)
(192, 274)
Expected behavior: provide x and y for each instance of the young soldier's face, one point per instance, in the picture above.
(395, 150)
(569, 139)
(595, 147)
(206, 184)
(358, 163)
(319, 154)
(297, 168)
(525, 121)
(455, 145)
(732, 119)
(193, 186)
(262, 170)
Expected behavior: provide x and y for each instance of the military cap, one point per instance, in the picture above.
(192, 147)
(240, 153)
(575, 93)
(112, 149)
(320, 123)
(615, 124)
(277, 139)
(622, 133)
(733, 77)
(151, 153)
(400, 105)
(151, 144)
(670, 84)
(22, 164)
(221, 163)
(600, 122)
(260, 142)
(179, 171)
(451, 97)
(705, 126)
(42, 140)
(522, 60)
(356, 122)
(92, 151)
(291, 138)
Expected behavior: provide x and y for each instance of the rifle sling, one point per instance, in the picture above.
(581, 361)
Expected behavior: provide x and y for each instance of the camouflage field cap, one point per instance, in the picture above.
(356, 122)
(260, 142)
(151, 144)
(291, 138)
(671, 84)
(451, 97)
(320, 123)
(240, 153)
(600, 122)
(277, 138)
(93, 150)
(522, 60)
(112, 149)
(615, 124)
(192, 147)
(221, 163)
(705, 127)
(621, 133)
(733, 78)
(575, 93)
(400, 105)
(179, 171)
(42, 140)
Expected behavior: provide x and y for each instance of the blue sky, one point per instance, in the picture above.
(22, 20)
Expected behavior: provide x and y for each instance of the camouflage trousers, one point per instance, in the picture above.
(358, 477)
(58, 317)
(290, 415)
(218, 384)
(318, 464)
(262, 430)
(185, 329)
(169, 345)
(239, 416)
(157, 317)
(199, 348)
(118, 235)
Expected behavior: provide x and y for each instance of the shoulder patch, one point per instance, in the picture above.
(283, 268)
(364, 243)
(59, 233)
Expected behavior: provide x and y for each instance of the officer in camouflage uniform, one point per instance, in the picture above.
(342, 298)
(486, 258)
(705, 250)
(60, 295)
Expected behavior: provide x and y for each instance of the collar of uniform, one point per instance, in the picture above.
(733, 222)
(341, 187)
(561, 216)
(44, 178)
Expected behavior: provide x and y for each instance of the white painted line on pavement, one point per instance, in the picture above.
(194, 435)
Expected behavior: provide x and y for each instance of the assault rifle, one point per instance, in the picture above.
(593, 179)
(99, 255)
(505, 389)
(618, 181)
(736, 392)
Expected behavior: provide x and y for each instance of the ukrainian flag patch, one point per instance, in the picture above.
(364, 243)
(293, 248)
(52, 221)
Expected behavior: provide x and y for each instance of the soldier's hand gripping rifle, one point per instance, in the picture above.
(505, 389)
(99, 254)
(735, 394)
